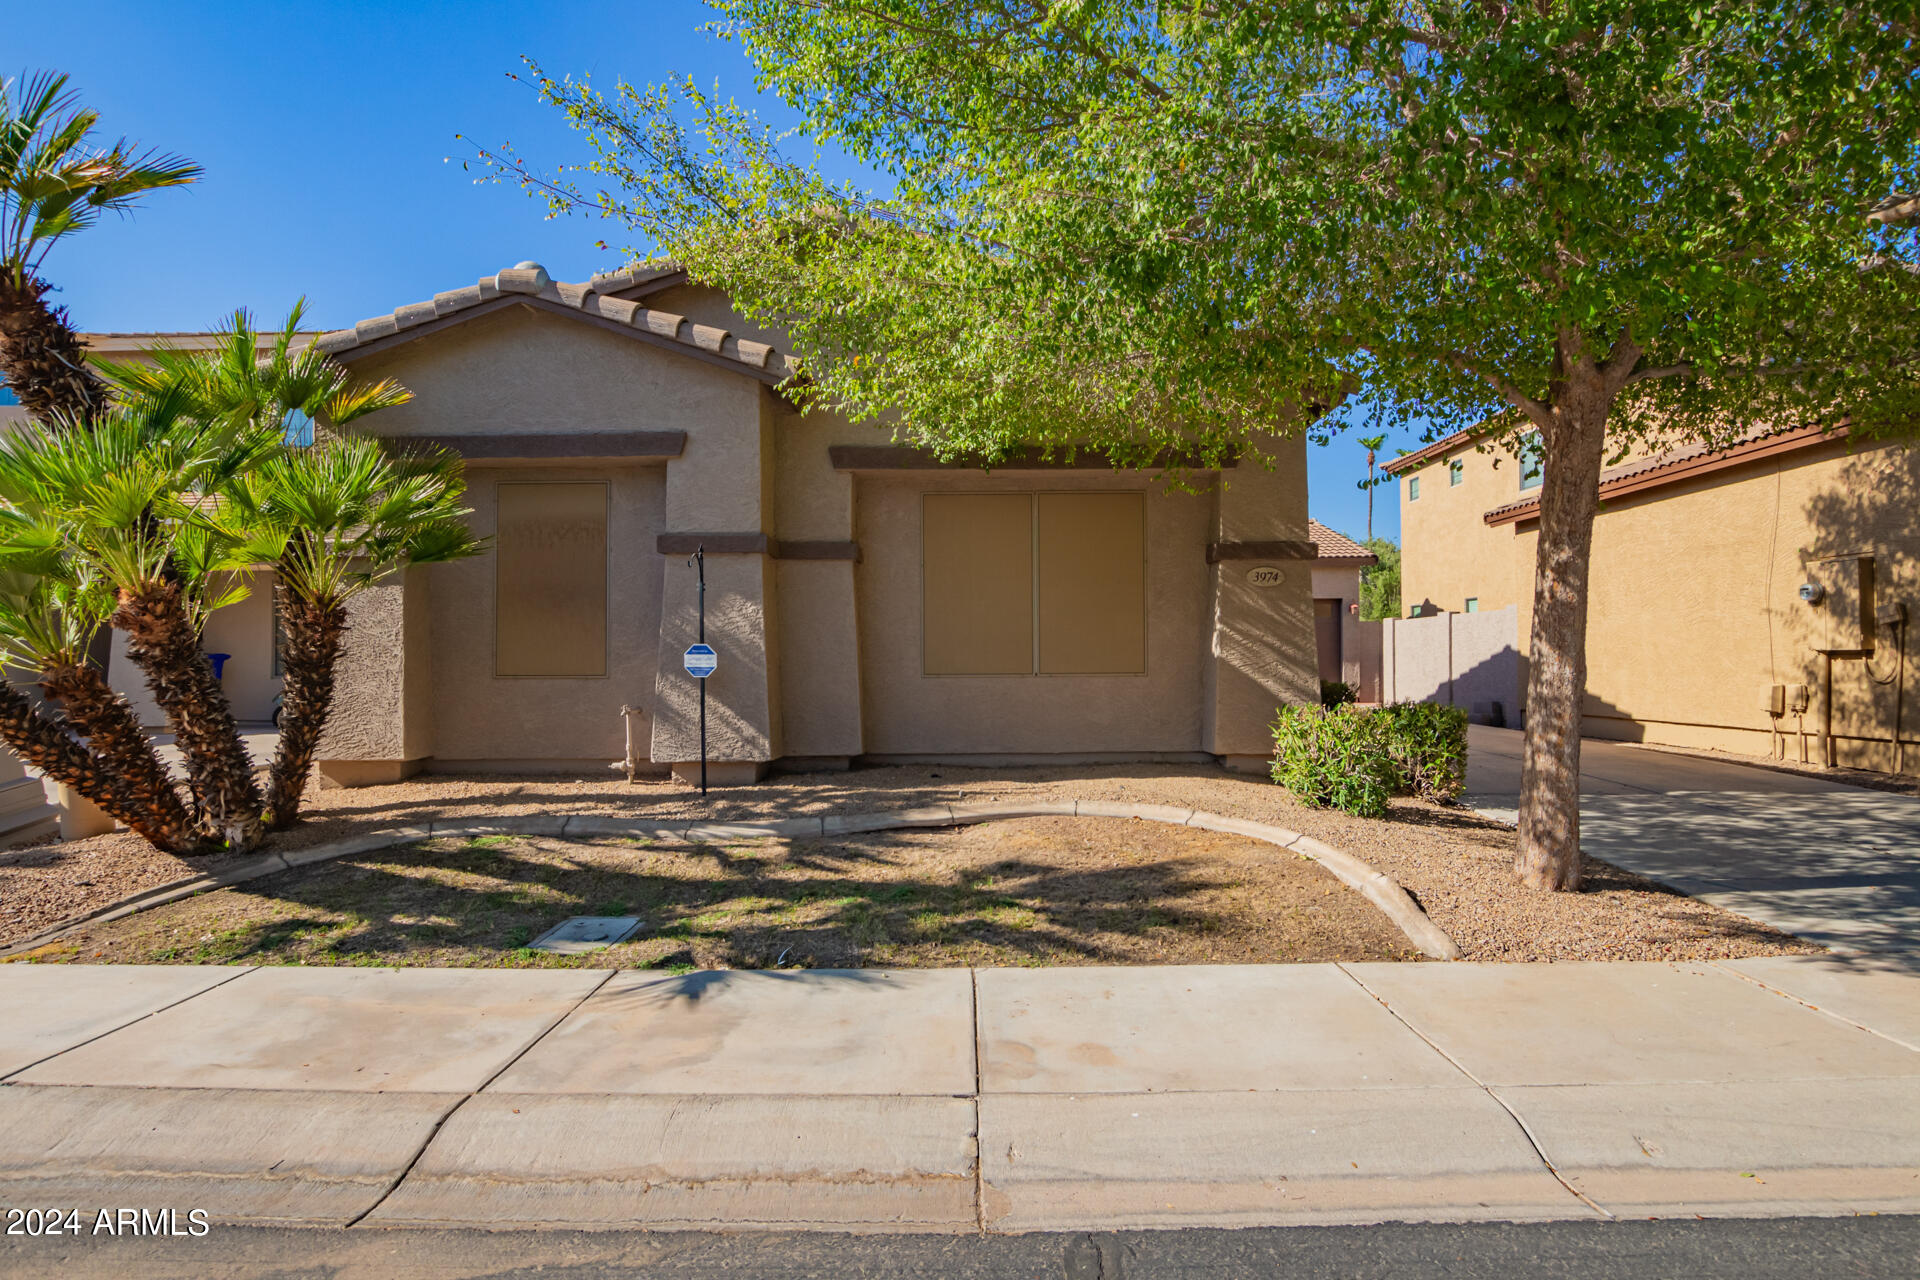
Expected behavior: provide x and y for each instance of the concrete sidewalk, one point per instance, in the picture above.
(1836, 864)
(960, 1100)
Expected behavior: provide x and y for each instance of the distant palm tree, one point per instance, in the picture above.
(54, 182)
(1370, 444)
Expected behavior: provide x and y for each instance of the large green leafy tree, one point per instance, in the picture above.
(1136, 225)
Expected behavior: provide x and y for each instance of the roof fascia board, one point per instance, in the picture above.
(537, 303)
(1689, 469)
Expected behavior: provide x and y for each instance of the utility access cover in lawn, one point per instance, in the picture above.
(582, 934)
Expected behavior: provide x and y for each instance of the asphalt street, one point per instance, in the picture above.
(1751, 1249)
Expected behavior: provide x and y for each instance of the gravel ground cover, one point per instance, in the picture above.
(1020, 892)
(1455, 863)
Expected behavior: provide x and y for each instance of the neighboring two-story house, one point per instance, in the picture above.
(1742, 598)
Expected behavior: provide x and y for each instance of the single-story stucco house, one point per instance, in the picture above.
(867, 602)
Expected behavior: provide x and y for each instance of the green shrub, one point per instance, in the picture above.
(1356, 760)
(1336, 757)
(1337, 693)
(1428, 743)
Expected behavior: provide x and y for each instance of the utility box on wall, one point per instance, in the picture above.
(1844, 605)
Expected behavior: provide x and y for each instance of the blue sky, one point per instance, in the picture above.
(326, 132)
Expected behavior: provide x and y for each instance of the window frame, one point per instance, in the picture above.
(1532, 459)
(1456, 473)
(1413, 488)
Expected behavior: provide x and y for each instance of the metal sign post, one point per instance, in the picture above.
(700, 659)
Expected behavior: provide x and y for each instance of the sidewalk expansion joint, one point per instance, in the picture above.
(1487, 1089)
(441, 1123)
(130, 1022)
(1812, 1007)
(979, 1161)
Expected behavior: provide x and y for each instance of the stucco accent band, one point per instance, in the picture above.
(584, 444)
(714, 544)
(754, 544)
(885, 457)
(1288, 549)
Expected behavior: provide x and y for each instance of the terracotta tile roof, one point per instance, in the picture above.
(1445, 444)
(1337, 548)
(1681, 463)
(598, 297)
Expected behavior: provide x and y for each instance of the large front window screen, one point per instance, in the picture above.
(550, 601)
(1024, 584)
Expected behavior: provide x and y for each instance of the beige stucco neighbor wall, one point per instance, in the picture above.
(1447, 552)
(1344, 585)
(911, 714)
(484, 720)
(1693, 611)
(1694, 607)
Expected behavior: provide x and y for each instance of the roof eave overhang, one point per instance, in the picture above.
(440, 324)
(1691, 468)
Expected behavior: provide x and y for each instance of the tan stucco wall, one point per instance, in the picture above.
(1447, 552)
(1262, 645)
(1693, 608)
(1344, 585)
(1694, 605)
(478, 716)
(518, 371)
(908, 713)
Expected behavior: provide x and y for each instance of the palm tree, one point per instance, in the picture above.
(334, 520)
(53, 182)
(1370, 444)
(127, 503)
(47, 622)
(331, 520)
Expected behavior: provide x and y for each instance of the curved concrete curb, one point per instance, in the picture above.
(1379, 889)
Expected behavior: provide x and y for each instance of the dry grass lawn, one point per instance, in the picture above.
(1022, 892)
(1456, 864)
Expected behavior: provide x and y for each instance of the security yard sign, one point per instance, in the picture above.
(700, 660)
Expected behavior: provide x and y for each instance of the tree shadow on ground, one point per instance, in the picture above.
(874, 900)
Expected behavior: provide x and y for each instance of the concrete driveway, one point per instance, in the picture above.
(1836, 864)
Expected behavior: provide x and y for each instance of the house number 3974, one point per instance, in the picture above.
(1265, 575)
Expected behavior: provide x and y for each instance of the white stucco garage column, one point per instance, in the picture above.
(1262, 646)
(719, 495)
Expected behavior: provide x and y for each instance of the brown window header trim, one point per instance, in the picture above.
(754, 544)
(1290, 549)
(886, 457)
(1648, 477)
(579, 444)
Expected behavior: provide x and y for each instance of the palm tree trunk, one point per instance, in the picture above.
(162, 642)
(42, 356)
(314, 637)
(114, 736)
(49, 746)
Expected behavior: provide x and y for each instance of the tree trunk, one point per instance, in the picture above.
(313, 640)
(42, 357)
(49, 746)
(1574, 443)
(114, 736)
(162, 643)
